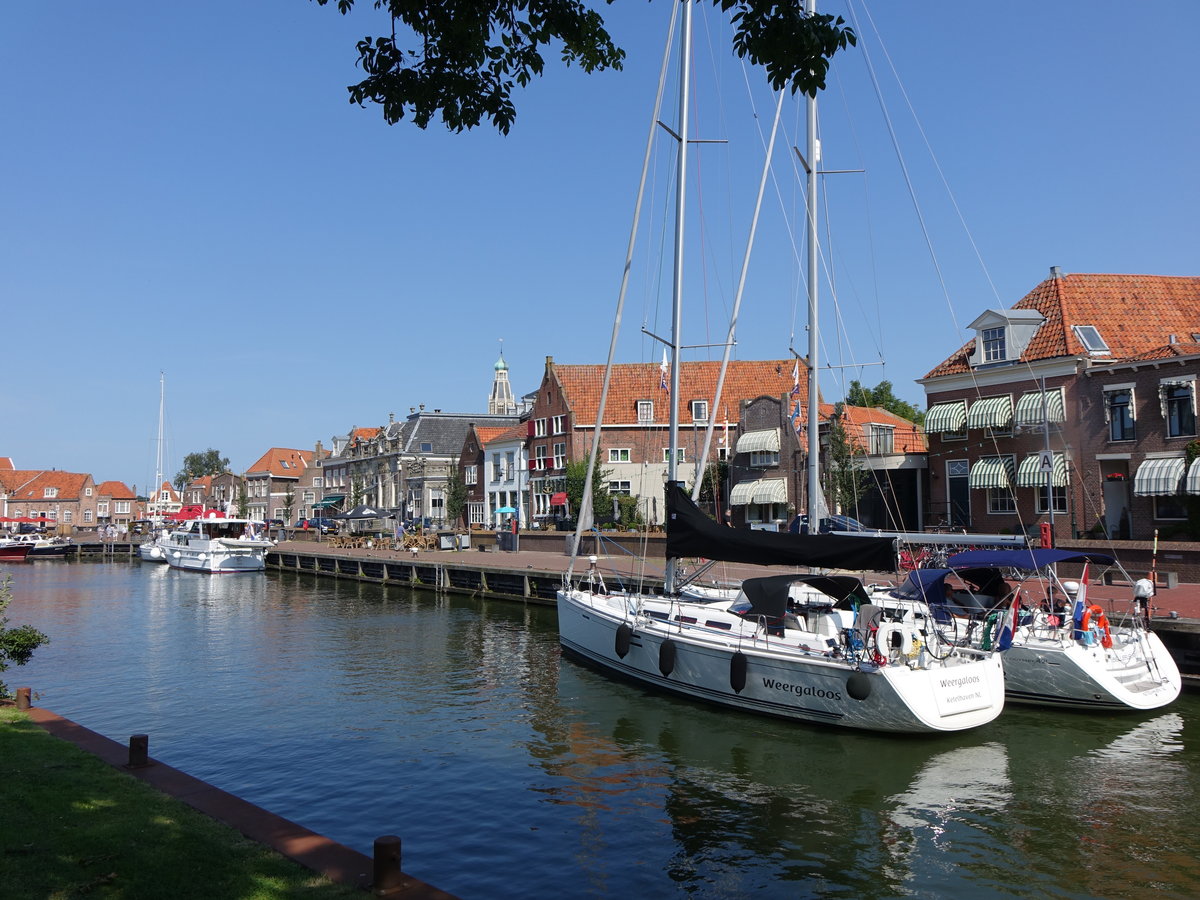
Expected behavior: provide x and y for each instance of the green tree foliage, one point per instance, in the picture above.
(456, 496)
(882, 396)
(844, 481)
(461, 59)
(197, 465)
(16, 644)
(576, 473)
(289, 502)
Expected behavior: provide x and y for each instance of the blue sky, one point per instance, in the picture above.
(188, 190)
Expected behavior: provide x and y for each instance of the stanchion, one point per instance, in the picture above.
(387, 878)
(139, 751)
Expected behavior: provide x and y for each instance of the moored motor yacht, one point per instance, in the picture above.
(218, 545)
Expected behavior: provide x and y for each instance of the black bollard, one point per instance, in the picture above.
(387, 865)
(139, 751)
(23, 698)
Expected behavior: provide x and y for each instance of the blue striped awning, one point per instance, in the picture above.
(1030, 474)
(991, 412)
(943, 417)
(1029, 408)
(1193, 477)
(992, 472)
(1159, 477)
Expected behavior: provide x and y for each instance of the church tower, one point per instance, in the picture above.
(501, 402)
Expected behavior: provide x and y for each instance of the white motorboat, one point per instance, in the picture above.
(218, 545)
(1060, 647)
(41, 546)
(773, 649)
(155, 548)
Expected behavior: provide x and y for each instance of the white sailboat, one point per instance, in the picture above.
(809, 648)
(152, 550)
(1062, 647)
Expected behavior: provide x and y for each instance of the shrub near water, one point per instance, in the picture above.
(16, 644)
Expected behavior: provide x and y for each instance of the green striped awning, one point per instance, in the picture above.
(991, 412)
(742, 493)
(1029, 408)
(1030, 474)
(1193, 477)
(943, 417)
(330, 501)
(1158, 477)
(759, 441)
(992, 472)
(770, 490)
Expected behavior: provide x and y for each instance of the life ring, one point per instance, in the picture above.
(883, 638)
(1101, 623)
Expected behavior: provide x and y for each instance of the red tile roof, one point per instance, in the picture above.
(117, 490)
(488, 433)
(68, 484)
(907, 437)
(1135, 314)
(631, 382)
(11, 479)
(273, 462)
(6, 463)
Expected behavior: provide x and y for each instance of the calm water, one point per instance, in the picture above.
(358, 710)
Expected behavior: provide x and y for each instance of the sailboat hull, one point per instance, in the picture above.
(776, 678)
(1136, 673)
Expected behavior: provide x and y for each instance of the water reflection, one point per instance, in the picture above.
(359, 710)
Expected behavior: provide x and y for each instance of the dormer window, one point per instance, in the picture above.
(993, 344)
(1003, 334)
(645, 412)
(700, 411)
(49, 493)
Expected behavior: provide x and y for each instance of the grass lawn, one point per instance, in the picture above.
(73, 827)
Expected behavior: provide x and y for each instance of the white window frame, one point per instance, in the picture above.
(680, 455)
(994, 343)
(619, 455)
(764, 459)
(539, 427)
(560, 424)
(539, 457)
(700, 411)
(471, 476)
(560, 456)
(881, 439)
(645, 412)
(620, 488)
(1001, 502)
(49, 493)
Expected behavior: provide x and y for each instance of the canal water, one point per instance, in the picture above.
(359, 710)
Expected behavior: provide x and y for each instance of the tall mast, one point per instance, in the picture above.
(685, 55)
(158, 462)
(812, 149)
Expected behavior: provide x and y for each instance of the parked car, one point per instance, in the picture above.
(326, 526)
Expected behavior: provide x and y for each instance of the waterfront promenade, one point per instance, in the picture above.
(1183, 599)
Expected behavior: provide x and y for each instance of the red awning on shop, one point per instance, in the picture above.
(559, 499)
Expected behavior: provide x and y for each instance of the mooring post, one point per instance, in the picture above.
(387, 865)
(23, 698)
(139, 751)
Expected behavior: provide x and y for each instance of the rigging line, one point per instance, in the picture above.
(586, 501)
(737, 302)
(933, 156)
(907, 176)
